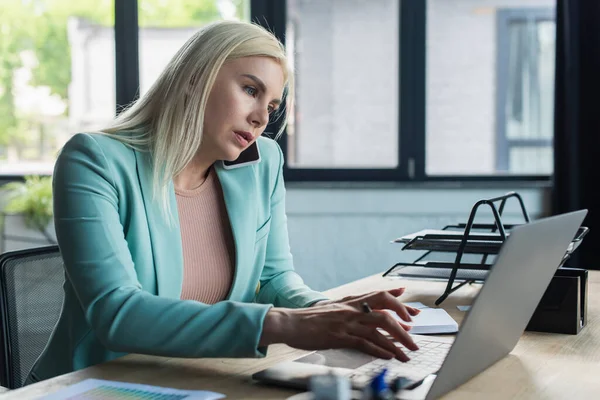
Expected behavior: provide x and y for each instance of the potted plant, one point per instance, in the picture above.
(32, 199)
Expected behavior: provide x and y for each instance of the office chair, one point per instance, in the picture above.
(31, 298)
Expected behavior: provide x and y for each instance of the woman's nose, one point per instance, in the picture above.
(260, 118)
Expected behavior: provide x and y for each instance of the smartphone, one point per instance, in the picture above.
(247, 157)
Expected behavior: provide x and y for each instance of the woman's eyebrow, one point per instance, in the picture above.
(261, 85)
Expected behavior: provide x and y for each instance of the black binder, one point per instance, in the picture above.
(563, 308)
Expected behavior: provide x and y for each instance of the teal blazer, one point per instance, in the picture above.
(124, 262)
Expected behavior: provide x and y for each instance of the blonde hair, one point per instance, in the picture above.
(167, 120)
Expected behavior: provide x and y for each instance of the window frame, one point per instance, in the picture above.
(504, 17)
(412, 114)
(127, 69)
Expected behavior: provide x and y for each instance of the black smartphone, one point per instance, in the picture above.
(247, 157)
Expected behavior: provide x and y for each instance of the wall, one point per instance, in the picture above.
(341, 234)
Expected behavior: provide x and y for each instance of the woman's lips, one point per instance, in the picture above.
(242, 138)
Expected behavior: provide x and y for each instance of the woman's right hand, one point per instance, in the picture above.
(336, 326)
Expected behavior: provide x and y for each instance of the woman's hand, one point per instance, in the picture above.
(380, 300)
(343, 325)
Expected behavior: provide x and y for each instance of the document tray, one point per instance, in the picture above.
(422, 272)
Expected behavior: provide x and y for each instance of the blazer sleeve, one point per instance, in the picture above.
(100, 268)
(280, 285)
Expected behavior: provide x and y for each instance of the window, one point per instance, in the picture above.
(166, 25)
(53, 53)
(490, 87)
(526, 57)
(476, 55)
(58, 74)
(346, 97)
(346, 55)
(385, 89)
(401, 90)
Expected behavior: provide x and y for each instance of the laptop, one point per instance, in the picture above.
(517, 280)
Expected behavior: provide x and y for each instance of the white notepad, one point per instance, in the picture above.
(430, 321)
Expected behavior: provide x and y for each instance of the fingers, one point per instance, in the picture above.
(397, 292)
(386, 300)
(385, 321)
(383, 300)
(395, 305)
(342, 326)
(377, 339)
(404, 326)
(412, 311)
(366, 346)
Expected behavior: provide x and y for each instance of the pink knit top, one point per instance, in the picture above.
(208, 248)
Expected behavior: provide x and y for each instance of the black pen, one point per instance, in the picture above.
(366, 308)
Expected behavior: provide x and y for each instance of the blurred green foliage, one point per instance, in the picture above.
(40, 27)
(32, 198)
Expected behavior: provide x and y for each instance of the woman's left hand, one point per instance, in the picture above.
(380, 300)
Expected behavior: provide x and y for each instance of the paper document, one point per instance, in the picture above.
(97, 389)
(416, 304)
(430, 321)
(409, 237)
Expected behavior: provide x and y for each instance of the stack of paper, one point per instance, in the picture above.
(456, 235)
(429, 321)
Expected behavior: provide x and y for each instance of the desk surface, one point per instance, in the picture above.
(548, 366)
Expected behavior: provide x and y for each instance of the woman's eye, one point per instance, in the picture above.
(270, 109)
(250, 90)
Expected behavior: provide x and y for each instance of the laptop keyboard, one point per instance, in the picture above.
(427, 360)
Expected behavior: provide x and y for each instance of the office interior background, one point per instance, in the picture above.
(406, 113)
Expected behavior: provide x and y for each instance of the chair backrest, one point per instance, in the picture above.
(31, 298)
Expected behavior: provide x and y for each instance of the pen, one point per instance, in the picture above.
(379, 389)
(366, 308)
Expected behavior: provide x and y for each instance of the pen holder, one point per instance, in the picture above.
(563, 308)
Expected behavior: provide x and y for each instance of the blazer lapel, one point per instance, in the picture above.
(239, 192)
(165, 237)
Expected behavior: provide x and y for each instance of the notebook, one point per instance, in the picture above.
(429, 321)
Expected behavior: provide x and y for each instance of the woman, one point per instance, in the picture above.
(166, 251)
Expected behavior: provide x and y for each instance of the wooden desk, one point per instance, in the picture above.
(547, 366)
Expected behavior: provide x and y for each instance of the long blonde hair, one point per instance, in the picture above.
(167, 120)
